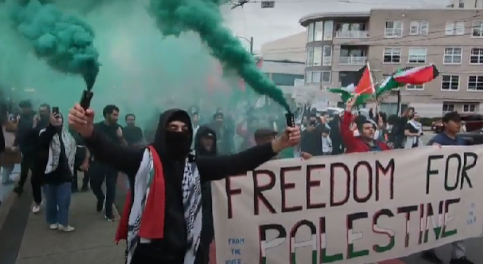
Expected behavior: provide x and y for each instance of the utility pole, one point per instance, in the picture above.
(250, 41)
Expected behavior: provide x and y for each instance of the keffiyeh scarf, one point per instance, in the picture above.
(55, 150)
(141, 229)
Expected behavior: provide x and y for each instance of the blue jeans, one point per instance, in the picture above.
(6, 172)
(57, 203)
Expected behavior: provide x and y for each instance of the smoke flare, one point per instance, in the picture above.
(203, 16)
(65, 42)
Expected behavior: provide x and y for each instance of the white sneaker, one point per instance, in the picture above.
(36, 208)
(66, 228)
(54, 226)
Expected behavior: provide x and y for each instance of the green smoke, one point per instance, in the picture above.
(63, 41)
(203, 16)
(142, 72)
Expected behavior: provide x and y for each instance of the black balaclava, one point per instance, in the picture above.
(205, 131)
(173, 143)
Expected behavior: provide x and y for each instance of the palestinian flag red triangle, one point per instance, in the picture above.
(417, 75)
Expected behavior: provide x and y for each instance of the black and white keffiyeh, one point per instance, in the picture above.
(191, 187)
(55, 150)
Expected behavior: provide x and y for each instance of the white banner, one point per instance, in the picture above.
(356, 208)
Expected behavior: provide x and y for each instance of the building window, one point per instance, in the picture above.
(393, 29)
(310, 32)
(448, 107)
(452, 56)
(310, 56)
(455, 28)
(419, 28)
(461, 3)
(476, 56)
(415, 87)
(328, 29)
(477, 28)
(312, 77)
(327, 55)
(285, 79)
(450, 82)
(475, 83)
(317, 56)
(318, 30)
(316, 76)
(417, 55)
(392, 55)
(469, 108)
(326, 77)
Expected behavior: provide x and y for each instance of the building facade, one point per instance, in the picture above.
(389, 39)
(466, 4)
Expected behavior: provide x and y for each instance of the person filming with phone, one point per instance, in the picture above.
(55, 166)
(311, 142)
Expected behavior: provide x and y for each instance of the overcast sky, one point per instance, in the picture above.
(265, 25)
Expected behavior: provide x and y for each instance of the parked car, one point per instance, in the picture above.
(471, 122)
(473, 138)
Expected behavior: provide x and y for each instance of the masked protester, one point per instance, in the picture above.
(55, 163)
(164, 209)
(365, 142)
(205, 145)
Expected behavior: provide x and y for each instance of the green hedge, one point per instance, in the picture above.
(428, 121)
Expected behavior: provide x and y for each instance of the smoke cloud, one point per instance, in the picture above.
(142, 72)
(65, 42)
(204, 17)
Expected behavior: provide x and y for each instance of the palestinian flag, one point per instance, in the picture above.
(387, 85)
(365, 84)
(416, 75)
(345, 94)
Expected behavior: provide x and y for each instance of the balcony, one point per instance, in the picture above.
(352, 34)
(352, 60)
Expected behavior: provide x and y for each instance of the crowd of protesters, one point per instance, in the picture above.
(37, 140)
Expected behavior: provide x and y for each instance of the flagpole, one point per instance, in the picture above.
(373, 85)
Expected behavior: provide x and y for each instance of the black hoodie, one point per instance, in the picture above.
(207, 232)
(174, 244)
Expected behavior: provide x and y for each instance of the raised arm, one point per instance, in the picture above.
(120, 158)
(45, 136)
(345, 130)
(104, 150)
(216, 168)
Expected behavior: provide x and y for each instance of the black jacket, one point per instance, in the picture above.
(312, 141)
(26, 136)
(62, 173)
(171, 249)
(2, 141)
(207, 233)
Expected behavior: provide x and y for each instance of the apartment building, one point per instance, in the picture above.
(466, 4)
(338, 44)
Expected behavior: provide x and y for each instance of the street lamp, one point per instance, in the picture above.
(250, 41)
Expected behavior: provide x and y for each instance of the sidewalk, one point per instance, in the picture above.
(92, 242)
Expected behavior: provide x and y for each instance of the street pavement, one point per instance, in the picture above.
(26, 239)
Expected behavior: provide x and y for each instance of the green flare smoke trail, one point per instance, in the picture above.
(203, 16)
(64, 42)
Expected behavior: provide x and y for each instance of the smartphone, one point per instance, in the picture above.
(55, 110)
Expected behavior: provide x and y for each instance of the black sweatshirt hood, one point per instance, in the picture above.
(205, 131)
(160, 143)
